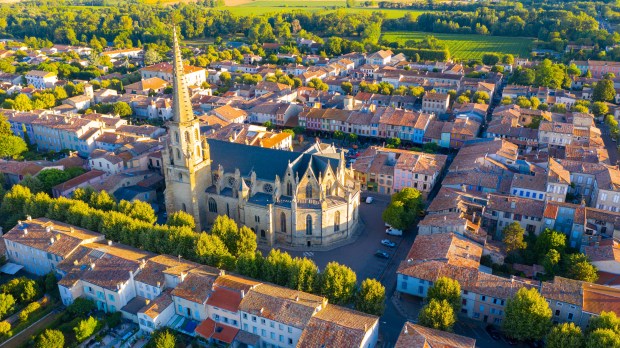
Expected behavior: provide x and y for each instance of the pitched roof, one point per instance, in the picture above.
(155, 307)
(287, 306)
(447, 247)
(197, 285)
(336, 326)
(417, 336)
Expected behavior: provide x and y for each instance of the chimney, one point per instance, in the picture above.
(92, 266)
(110, 243)
(28, 217)
(406, 331)
(242, 293)
(296, 298)
(52, 240)
(159, 284)
(48, 229)
(75, 262)
(20, 223)
(71, 230)
(25, 231)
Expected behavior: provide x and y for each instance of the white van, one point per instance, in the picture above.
(393, 232)
(369, 200)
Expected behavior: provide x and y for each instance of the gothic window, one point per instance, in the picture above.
(283, 222)
(196, 134)
(337, 221)
(184, 207)
(308, 225)
(181, 177)
(289, 189)
(176, 136)
(178, 154)
(328, 188)
(212, 205)
(308, 191)
(268, 188)
(231, 181)
(187, 139)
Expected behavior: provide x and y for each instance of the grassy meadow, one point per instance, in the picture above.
(469, 46)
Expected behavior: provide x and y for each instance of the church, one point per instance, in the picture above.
(286, 198)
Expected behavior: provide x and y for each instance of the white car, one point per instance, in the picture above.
(393, 232)
(388, 243)
(369, 200)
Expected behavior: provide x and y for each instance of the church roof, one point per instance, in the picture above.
(267, 163)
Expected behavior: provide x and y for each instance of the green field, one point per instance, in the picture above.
(469, 46)
(258, 7)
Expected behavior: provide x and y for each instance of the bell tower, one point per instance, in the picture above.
(186, 159)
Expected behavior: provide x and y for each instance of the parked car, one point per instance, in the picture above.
(393, 232)
(382, 254)
(369, 200)
(493, 332)
(388, 243)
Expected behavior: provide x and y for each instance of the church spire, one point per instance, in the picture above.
(182, 108)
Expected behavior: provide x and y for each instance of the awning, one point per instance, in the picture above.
(10, 268)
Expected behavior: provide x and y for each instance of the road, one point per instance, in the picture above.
(611, 146)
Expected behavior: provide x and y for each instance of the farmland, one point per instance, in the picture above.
(258, 7)
(469, 46)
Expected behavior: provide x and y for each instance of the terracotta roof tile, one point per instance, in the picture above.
(417, 336)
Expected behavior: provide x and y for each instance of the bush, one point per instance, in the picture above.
(30, 308)
(80, 307)
(5, 328)
(113, 319)
(85, 328)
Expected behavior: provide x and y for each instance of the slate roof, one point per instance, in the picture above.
(252, 158)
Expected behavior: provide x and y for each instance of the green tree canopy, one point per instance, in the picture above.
(12, 145)
(437, 315)
(550, 239)
(122, 109)
(181, 218)
(338, 283)
(513, 237)
(403, 208)
(604, 91)
(607, 320)
(448, 289)
(85, 328)
(528, 315)
(50, 339)
(164, 339)
(80, 307)
(603, 338)
(578, 266)
(565, 335)
(371, 297)
(7, 304)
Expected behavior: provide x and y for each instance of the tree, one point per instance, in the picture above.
(437, 315)
(371, 297)
(5, 328)
(23, 289)
(52, 177)
(227, 231)
(338, 283)
(603, 338)
(151, 57)
(604, 91)
(481, 97)
(550, 239)
(350, 3)
(490, 58)
(528, 315)
(142, 211)
(165, 339)
(12, 145)
(80, 307)
(403, 208)
(50, 339)
(565, 335)
(22, 103)
(85, 328)
(578, 267)
(513, 237)
(211, 250)
(122, 109)
(606, 320)
(347, 87)
(446, 289)
(600, 109)
(181, 218)
(51, 285)
(551, 261)
(7, 304)
(246, 241)
(508, 59)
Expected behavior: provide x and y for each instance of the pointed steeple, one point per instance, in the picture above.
(182, 106)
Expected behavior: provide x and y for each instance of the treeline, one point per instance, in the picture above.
(226, 246)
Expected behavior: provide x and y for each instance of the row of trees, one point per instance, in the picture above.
(227, 246)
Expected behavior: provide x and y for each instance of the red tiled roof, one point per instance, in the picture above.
(211, 329)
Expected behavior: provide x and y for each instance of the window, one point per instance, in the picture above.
(111, 297)
(263, 332)
(281, 338)
(262, 321)
(483, 298)
(570, 316)
(308, 225)
(290, 330)
(178, 154)
(245, 316)
(337, 221)
(308, 191)
(257, 218)
(557, 312)
(289, 189)
(290, 341)
(282, 222)
(403, 285)
(253, 318)
(212, 206)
